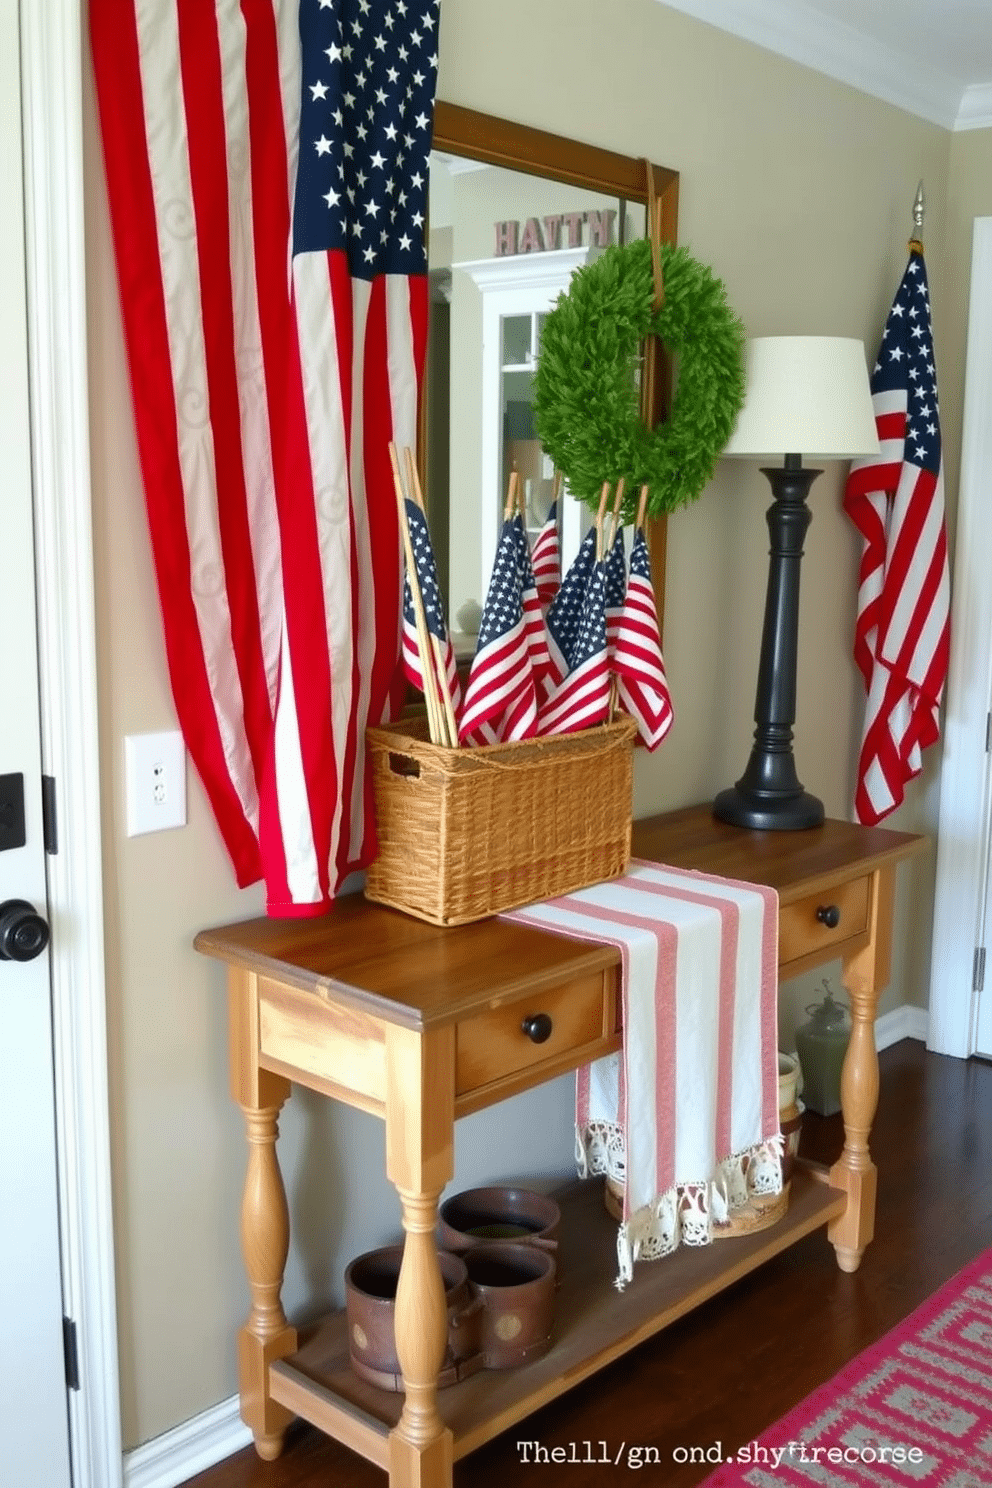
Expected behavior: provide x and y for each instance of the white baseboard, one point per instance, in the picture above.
(902, 1022)
(217, 1433)
(187, 1449)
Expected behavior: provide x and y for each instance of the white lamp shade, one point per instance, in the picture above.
(806, 395)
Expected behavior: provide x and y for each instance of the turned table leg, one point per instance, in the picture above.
(865, 974)
(419, 1162)
(266, 1335)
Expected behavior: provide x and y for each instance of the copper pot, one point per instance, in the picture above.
(516, 1284)
(370, 1297)
(480, 1216)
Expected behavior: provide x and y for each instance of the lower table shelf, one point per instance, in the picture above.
(595, 1324)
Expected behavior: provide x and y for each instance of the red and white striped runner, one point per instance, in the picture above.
(687, 1117)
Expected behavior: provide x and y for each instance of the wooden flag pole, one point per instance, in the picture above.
(434, 724)
(511, 496)
(642, 507)
(614, 529)
(603, 499)
(615, 519)
(440, 669)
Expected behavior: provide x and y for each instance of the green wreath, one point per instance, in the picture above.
(586, 396)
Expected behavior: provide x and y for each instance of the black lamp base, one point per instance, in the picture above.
(768, 797)
(768, 811)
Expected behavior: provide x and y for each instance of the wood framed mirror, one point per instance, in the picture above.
(475, 141)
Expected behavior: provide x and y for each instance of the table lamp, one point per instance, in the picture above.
(806, 396)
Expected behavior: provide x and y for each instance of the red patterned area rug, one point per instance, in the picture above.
(915, 1409)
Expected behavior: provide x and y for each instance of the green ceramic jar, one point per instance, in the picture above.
(821, 1045)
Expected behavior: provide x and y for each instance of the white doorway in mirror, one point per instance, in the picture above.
(516, 293)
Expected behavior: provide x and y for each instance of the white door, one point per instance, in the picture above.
(34, 1433)
(983, 969)
(983, 1036)
(961, 967)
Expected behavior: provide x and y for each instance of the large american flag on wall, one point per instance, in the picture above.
(896, 500)
(267, 166)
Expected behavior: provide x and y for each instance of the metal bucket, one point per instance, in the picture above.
(370, 1296)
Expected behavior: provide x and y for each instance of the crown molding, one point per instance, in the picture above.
(976, 107)
(458, 165)
(549, 269)
(804, 35)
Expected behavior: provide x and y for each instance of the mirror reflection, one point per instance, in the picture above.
(503, 246)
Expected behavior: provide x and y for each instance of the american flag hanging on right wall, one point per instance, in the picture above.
(896, 501)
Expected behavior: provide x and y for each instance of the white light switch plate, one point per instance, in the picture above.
(155, 782)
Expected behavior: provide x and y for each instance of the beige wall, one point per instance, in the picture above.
(798, 192)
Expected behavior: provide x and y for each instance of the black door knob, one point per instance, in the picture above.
(829, 915)
(23, 932)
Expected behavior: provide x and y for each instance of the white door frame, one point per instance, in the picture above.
(51, 66)
(963, 835)
(524, 284)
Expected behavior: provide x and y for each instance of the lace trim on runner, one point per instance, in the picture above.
(686, 1213)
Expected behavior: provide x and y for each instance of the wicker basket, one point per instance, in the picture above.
(466, 833)
(759, 1213)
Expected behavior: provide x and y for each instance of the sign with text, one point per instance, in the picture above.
(558, 230)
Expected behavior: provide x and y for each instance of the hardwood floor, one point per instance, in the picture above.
(735, 1365)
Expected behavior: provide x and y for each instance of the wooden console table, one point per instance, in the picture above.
(421, 1025)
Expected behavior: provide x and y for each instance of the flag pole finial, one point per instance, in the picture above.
(919, 212)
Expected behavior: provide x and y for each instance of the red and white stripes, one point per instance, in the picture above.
(265, 394)
(696, 1088)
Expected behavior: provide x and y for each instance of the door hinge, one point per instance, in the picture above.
(988, 731)
(12, 831)
(978, 977)
(49, 814)
(71, 1354)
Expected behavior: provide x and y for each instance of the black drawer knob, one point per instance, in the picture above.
(537, 1027)
(829, 915)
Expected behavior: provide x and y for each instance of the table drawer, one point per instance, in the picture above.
(824, 922)
(494, 1046)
